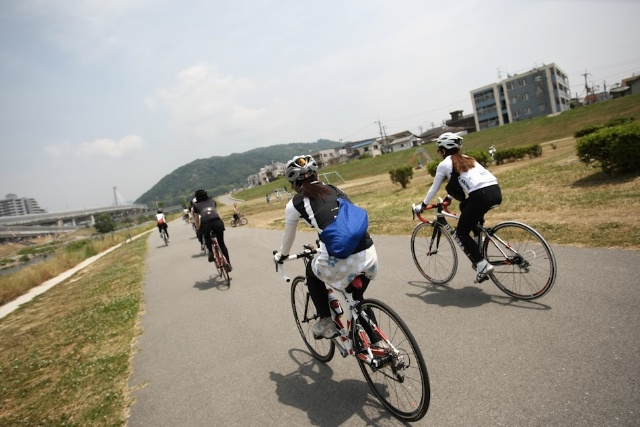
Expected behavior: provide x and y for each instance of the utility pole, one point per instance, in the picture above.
(115, 195)
(586, 85)
(382, 134)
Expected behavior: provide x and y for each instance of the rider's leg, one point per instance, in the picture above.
(472, 211)
(318, 292)
(205, 232)
(325, 327)
(218, 227)
(357, 289)
(166, 229)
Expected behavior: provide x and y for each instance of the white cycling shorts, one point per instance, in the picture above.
(338, 273)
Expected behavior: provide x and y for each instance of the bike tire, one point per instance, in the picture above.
(225, 274)
(216, 261)
(405, 393)
(305, 315)
(434, 253)
(244, 221)
(530, 269)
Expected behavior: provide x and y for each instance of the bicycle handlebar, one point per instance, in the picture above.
(441, 206)
(309, 252)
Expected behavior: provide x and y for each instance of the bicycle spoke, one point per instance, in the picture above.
(304, 313)
(524, 264)
(434, 253)
(401, 383)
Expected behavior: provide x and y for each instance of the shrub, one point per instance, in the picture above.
(517, 153)
(587, 130)
(401, 175)
(482, 156)
(619, 121)
(432, 166)
(104, 223)
(615, 149)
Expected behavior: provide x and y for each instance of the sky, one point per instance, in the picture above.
(104, 94)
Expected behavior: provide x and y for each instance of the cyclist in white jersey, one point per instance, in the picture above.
(474, 186)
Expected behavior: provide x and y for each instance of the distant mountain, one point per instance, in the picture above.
(219, 174)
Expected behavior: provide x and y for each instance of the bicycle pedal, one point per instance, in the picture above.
(484, 279)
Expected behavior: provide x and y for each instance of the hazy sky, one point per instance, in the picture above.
(97, 94)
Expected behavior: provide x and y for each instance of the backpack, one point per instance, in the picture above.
(453, 187)
(343, 235)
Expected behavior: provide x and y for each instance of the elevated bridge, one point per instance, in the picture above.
(15, 227)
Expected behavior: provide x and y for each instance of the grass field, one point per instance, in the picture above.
(65, 356)
(567, 201)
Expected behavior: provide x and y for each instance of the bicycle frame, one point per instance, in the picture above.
(344, 342)
(483, 233)
(395, 372)
(441, 218)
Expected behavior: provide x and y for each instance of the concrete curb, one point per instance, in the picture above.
(34, 292)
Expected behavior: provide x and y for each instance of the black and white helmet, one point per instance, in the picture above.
(298, 167)
(449, 141)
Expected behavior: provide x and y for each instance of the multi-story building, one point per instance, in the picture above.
(13, 206)
(538, 92)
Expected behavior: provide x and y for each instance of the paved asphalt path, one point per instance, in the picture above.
(212, 355)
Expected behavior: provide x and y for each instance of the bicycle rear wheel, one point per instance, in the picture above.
(401, 383)
(221, 265)
(524, 264)
(434, 253)
(304, 313)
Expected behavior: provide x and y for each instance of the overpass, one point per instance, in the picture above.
(42, 224)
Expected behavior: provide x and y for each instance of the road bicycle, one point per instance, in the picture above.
(164, 236)
(524, 264)
(395, 371)
(222, 264)
(242, 220)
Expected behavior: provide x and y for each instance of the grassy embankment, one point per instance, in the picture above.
(65, 356)
(568, 202)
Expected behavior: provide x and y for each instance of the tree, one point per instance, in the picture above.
(104, 223)
(401, 175)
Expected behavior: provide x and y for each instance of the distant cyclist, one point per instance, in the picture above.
(207, 220)
(466, 177)
(236, 213)
(161, 221)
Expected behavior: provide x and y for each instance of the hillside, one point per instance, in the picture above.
(219, 174)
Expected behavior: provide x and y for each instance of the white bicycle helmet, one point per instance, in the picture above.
(449, 141)
(298, 167)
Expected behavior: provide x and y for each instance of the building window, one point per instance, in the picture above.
(509, 86)
(524, 96)
(526, 111)
(522, 82)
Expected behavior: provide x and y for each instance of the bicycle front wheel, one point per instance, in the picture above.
(401, 383)
(244, 221)
(524, 264)
(305, 315)
(434, 253)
